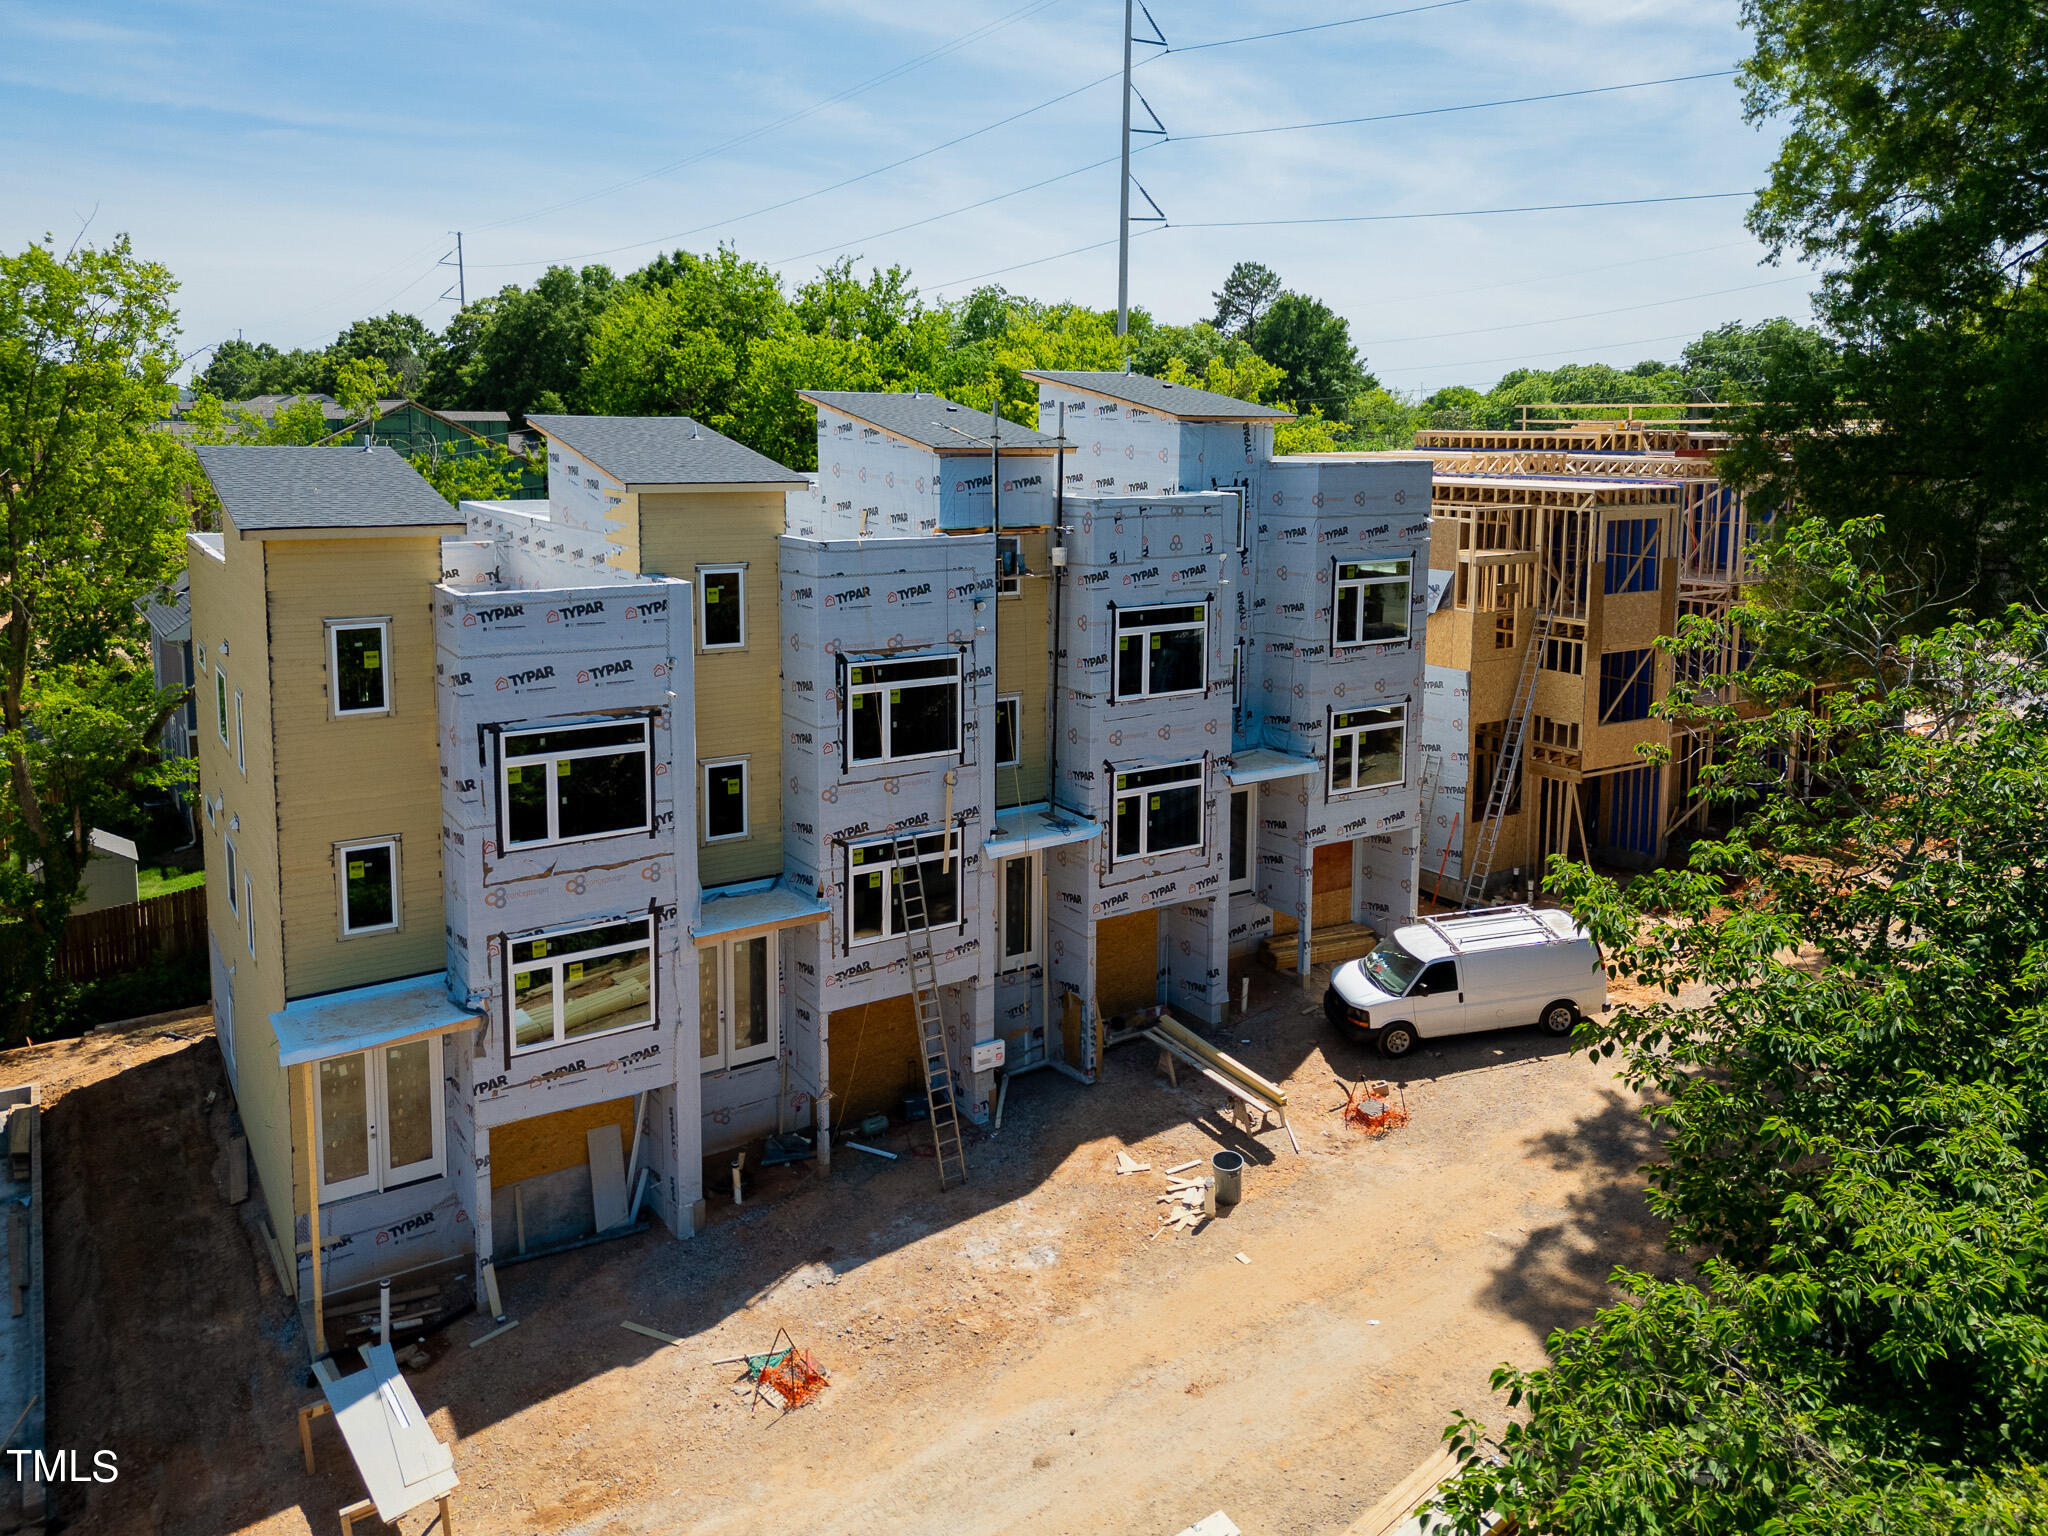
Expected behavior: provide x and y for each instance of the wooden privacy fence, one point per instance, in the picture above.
(128, 937)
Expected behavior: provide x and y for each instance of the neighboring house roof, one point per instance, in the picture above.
(467, 415)
(269, 489)
(662, 450)
(932, 420)
(1179, 400)
(107, 843)
(171, 619)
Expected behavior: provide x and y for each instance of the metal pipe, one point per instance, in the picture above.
(951, 774)
(383, 1311)
(1052, 660)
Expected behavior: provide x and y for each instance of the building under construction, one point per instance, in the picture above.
(1560, 552)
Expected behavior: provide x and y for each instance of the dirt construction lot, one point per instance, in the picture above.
(1018, 1355)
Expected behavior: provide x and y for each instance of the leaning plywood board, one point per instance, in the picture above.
(402, 1464)
(607, 1177)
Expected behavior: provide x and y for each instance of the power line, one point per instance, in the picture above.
(790, 202)
(1558, 277)
(1093, 165)
(1462, 213)
(1591, 314)
(907, 159)
(1321, 26)
(895, 71)
(1472, 106)
(1524, 357)
(1038, 261)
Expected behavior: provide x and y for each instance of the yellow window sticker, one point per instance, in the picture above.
(369, 661)
(355, 869)
(512, 775)
(573, 972)
(1155, 802)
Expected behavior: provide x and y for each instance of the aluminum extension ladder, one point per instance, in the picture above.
(931, 1024)
(1483, 836)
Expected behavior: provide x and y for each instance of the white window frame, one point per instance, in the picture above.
(1142, 633)
(1359, 732)
(249, 907)
(334, 629)
(555, 964)
(341, 857)
(878, 691)
(1007, 959)
(1195, 774)
(746, 793)
(234, 866)
(879, 857)
(378, 1089)
(241, 746)
(1011, 584)
(220, 703)
(722, 955)
(507, 761)
(1244, 884)
(1340, 584)
(703, 628)
(1016, 703)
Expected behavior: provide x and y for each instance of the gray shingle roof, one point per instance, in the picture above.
(1179, 400)
(662, 450)
(271, 488)
(932, 420)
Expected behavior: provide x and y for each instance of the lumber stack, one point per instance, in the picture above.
(1327, 946)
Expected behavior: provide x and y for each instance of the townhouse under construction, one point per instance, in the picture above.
(1560, 552)
(881, 785)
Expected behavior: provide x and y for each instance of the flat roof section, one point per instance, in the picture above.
(1183, 401)
(273, 489)
(663, 450)
(390, 1013)
(932, 421)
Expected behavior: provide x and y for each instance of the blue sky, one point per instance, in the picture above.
(298, 167)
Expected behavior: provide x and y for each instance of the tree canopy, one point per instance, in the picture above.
(1854, 1125)
(1912, 168)
(92, 497)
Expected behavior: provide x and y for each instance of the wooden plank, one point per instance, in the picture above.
(238, 1169)
(666, 1338)
(607, 1177)
(1387, 1515)
(1167, 1025)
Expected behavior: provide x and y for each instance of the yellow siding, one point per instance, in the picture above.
(739, 693)
(1021, 668)
(227, 606)
(347, 779)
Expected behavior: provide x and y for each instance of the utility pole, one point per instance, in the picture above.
(1123, 189)
(1124, 183)
(460, 292)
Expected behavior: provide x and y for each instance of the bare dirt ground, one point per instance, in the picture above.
(1017, 1355)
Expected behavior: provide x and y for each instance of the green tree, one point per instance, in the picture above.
(1736, 361)
(360, 386)
(1311, 344)
(679, 347)
(401, 343)
(241, 370)
(90, 496)
(487, 475)
(537, 341)
(1854, 1125)
(1246, 295)
(1911, 169)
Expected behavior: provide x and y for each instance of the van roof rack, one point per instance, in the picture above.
(1490, 923)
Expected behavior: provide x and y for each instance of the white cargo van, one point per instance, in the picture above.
(1468, 971)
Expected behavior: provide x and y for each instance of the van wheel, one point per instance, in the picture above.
(1559, 1018)
(1397, 1040)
